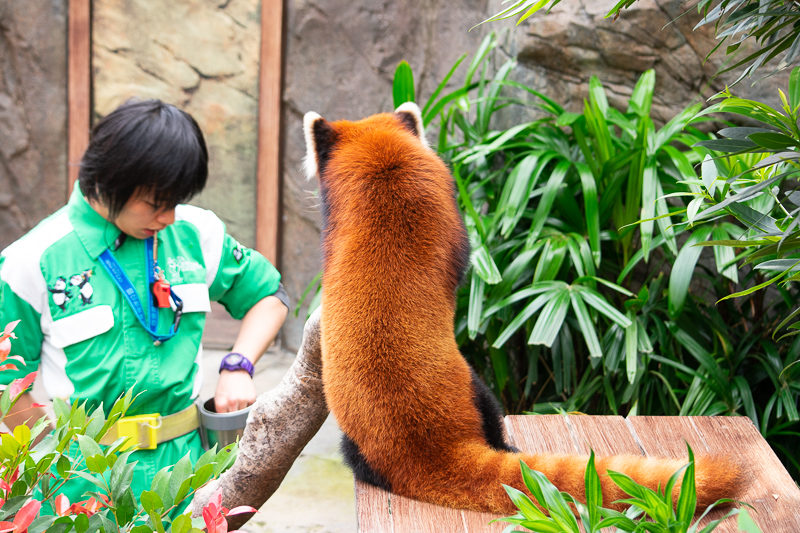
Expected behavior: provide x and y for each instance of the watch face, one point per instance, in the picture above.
(233, 359)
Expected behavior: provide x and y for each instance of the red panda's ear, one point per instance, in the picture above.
(320, 138)
(411, 118)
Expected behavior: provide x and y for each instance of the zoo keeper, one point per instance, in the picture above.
(112, 290)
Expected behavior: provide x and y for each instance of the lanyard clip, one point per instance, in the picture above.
(178, 310)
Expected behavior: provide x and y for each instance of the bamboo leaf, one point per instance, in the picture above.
(536, 7)
(585, 324)
(476, 290)
(551, 259)
(683, 270)
(742, 196)
(426, 117)
(687, 500)
(517, 190)
(642, 96)
(594, 492)
(743, 132)
(779, 265)
(773, 141)
(709, 174)
(664, 220)
(649, 190)
(631, 348)
(485, 266)
(403, 84)
(527, 312)
(594, 299)
(728, 146)
(724, 256)
(591, 209)
(675, 125)
(754, 219)
(550, 319)
(597, 95)
(755, 288)
(557, 177)
(693, 208)
(794, 88)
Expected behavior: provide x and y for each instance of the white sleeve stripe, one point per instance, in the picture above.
(212, 236)
(22, 270)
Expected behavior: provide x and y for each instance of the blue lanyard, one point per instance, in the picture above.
(125, 286)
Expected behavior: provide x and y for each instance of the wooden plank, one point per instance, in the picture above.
(475, 522)
(542, 434)
(420, 517)
(373, 507)
(606, 435)
(767, 484)
(764, 477)
(269, 127)
(380, 512)
(78, 85)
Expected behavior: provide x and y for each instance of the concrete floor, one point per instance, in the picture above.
(317, 495)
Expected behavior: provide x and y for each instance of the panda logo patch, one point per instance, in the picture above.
(60, 292)
(81, 283)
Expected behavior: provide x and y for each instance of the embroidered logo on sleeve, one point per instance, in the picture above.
(238, 253)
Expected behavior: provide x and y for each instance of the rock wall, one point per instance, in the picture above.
(33, 145)
(203, 57)
(559, 52)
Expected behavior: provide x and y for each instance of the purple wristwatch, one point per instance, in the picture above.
(236, 361)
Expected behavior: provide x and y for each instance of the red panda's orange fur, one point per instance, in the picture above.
(393, 252)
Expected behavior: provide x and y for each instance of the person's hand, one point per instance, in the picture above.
(235, 390)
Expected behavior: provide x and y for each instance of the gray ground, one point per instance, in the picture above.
(317, 495)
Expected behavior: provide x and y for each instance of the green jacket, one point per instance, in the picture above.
(81, 333)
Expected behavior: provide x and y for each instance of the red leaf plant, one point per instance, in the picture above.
(214, 514)
(87, 507)
(23, 518)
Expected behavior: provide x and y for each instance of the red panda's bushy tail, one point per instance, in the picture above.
(476, 474)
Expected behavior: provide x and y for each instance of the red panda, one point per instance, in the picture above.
(416, 419)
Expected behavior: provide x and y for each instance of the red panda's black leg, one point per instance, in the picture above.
(361, 470)
(491, 413)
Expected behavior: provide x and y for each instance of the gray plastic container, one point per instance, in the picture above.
(221, 429)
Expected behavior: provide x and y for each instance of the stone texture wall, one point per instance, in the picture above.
(33, 146)
(203, 57)
(558, 53)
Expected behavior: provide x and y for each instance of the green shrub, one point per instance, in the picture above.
(31, 475)
(586, 291)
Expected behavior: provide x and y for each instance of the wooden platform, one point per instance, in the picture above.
(768, 487)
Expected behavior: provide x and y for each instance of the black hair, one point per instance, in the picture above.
(148, 146)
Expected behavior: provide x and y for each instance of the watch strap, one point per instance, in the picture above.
(240, 362)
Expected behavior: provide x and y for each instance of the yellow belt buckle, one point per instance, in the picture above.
(140, 431)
